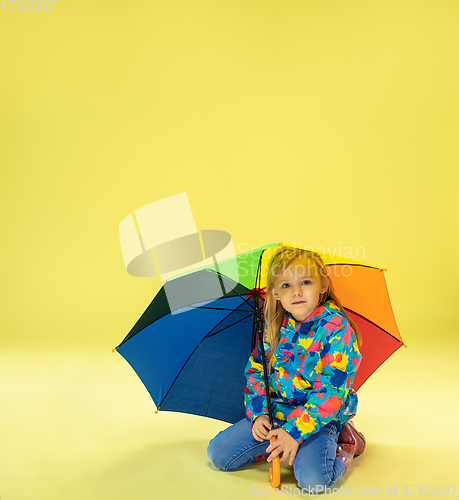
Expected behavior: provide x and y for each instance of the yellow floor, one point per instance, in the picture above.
(80, 425)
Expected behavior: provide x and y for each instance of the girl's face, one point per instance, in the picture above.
(298, 288)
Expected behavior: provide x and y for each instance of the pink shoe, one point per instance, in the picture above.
(350, 435)
(345, 453)
(259, 458)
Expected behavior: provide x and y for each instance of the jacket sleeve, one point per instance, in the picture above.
(333, 374)
(255, 395)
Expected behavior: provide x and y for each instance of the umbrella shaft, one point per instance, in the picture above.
(265, 370)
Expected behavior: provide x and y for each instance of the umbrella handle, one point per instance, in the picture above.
(274, 472)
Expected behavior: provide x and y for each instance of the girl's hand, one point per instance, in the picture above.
(284, 443)
(261, 427)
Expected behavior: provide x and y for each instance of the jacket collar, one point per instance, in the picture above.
(326, 309)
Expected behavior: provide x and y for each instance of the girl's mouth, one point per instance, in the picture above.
(300, 302)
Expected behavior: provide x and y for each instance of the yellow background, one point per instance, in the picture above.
(328, 123)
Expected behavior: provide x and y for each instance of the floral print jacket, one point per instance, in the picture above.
(313, 369)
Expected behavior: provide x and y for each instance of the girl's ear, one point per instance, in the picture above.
(275, 295)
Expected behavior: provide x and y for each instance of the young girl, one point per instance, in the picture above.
(312, 352)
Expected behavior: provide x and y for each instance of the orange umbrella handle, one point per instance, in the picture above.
(274, 472)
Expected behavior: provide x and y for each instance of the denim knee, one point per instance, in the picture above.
(313, 483)
(216, 457)
(212, 455)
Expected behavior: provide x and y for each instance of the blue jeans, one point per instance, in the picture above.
(315, 467)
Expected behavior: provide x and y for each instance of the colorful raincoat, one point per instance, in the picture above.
(313, 368)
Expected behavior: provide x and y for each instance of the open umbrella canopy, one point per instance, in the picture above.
(191, 344)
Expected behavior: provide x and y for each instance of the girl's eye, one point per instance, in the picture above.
(285, 284)
(306, 281)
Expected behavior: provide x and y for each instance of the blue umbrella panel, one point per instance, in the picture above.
(191, 359)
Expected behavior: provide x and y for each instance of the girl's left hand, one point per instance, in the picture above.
(284, 443)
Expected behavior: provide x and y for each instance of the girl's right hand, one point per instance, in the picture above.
(261, 427)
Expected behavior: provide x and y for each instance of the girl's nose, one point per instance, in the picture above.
(296, 290)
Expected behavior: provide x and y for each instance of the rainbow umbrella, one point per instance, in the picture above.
(191, 356)
(192, 343)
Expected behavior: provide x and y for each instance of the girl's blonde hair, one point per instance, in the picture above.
(273, 310)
